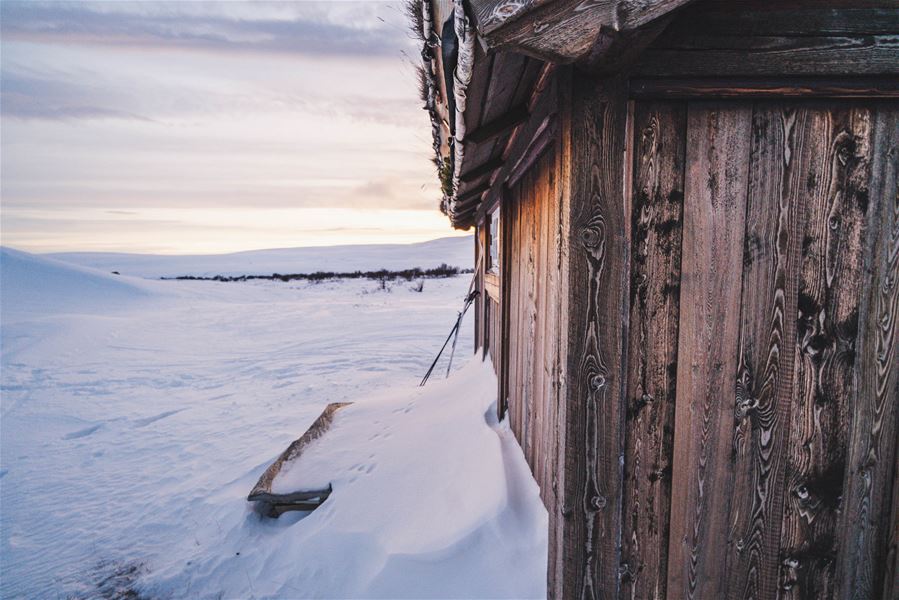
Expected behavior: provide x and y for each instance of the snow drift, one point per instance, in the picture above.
(31, 284)
(432, 498)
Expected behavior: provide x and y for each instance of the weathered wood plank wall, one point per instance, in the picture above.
(764, 249)
(597, 241)
(658, 191)
(714, 211)
(696, 323)
(763, 388)
(830, 150)
(531, 221)
(868, 525)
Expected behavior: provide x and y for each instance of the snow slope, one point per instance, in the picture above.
(129, 439)
(31, 284)
(413, 514)
(454, 251)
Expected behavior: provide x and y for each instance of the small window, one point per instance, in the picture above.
(493, 240)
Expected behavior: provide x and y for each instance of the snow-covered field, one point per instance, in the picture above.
(454, 251)
(137, 415)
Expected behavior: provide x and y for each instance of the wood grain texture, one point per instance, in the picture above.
(491, 15)
(868, 515)
(765, 18)
(656, 226)
(558, 516)
(713, 230)
(771, 87)
(597, 311)
(533, 348)
(562, 30)
(790, 56)
(760, 38)
(764, 378)
(891, 562)
(835, 164)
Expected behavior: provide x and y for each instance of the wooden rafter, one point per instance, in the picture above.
(481, 170)
(511, 118)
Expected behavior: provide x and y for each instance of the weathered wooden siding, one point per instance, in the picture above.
(773, 38)
(733, 394)
(695, 327)
(597, 241)
(658, 194)
(714, 211)
(531, 222)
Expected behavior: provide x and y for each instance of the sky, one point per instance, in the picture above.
(206, 127)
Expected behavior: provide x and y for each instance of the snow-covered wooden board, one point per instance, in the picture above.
(275, 504)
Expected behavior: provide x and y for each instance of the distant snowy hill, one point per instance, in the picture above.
(454, 251)
(35, 284)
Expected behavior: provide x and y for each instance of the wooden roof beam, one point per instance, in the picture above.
(476, 193)
(562, 31)
(466, 206)
(530, 139)
(479, 171)
(505, 122)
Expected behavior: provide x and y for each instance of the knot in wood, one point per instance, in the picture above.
(591, 237)
(507, 10)
(598, 502)
(746, 406)
(597, 382)
(843, 154)
(833, 222)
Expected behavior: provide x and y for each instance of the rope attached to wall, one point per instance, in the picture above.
(454, 332)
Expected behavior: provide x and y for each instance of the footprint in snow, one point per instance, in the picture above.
(362, 468)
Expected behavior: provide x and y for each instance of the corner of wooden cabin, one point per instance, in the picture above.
(694, 318)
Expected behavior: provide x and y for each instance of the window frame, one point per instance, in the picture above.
(493, 231)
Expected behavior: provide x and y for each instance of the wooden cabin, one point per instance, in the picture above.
(687, 242)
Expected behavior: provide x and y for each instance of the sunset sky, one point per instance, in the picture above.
(200, 127)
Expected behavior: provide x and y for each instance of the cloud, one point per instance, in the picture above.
(315, 31)
(32, 94)
(27, 97)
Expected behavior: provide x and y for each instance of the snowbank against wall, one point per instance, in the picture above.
(432, 499)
